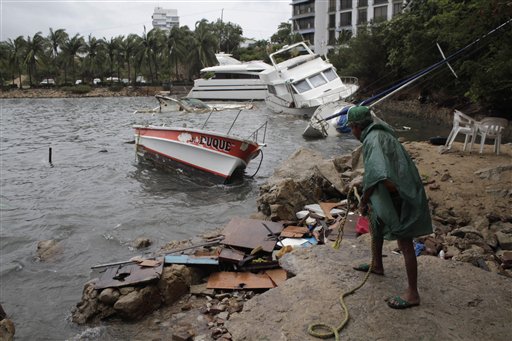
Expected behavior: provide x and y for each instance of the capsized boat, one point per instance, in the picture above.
(222, 156)
(230, 80)
(168, 104)
(299, 83)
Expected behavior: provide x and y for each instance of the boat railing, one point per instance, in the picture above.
(349, 80)
(256, 134)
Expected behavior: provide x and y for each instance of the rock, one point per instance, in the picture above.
(493, 173)
(174, 283)
(7, 330)
(471, 255)
(126, 290)
(109, 296)
(139, 303)
(504, 240)
(141, 243)
(87, 308)
(183, 335)
(47, 249)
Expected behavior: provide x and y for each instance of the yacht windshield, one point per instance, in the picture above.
(317, 80)
(330, 74)
(302, 86)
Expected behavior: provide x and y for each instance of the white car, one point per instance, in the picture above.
(78, 81)
(47, 81)
(96, 81)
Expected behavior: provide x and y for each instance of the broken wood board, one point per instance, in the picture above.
(245, 280)
(128, 274)
(251, 233)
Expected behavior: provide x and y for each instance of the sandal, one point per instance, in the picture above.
(397, 302)
(364, 267)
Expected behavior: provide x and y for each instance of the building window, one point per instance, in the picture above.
(304, 8)
(304, 24)
(362, 17)
(380, 2)
(362, 3)
(346, 19)
(332, 5)
(332, 21)
(309, 37)
(397, 8)
(345, 4)
(380, 13)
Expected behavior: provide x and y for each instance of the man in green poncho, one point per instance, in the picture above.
(393, 195)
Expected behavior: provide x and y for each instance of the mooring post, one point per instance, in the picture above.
(50, 155)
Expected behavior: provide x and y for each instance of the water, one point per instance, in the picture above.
(96, 199)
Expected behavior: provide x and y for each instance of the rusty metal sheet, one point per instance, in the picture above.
(327, 207)
(128, 274)
(294, 231)
(239, 280)
(251, 233)
(231, 255)
(278, 276)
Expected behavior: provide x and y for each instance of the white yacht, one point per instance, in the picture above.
(230, 80)
(301, 80)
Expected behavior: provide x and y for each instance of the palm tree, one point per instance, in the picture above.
(111, 47)
(56, 40)
(33, 50)
(149, 46)
(92, 49)
(129, 48)
(71, 48)
(12, 55)
(203, 46)
(175, 47)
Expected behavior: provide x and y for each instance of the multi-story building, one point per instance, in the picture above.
(321, 22)
(165, 18)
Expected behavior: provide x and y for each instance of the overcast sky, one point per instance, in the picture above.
(259, 19)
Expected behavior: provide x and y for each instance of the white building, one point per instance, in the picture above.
(321, 22)
(165, 18)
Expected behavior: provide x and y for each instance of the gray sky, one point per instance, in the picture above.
(109, 18)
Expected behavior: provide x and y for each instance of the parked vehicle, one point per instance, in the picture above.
(48, 82)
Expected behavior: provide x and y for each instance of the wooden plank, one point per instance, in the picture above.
(250, 234)
(239, 280)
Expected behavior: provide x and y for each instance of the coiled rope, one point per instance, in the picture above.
(323, 330)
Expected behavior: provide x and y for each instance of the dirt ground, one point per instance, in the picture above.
(456, 188)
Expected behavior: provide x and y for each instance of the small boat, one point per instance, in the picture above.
(222, 156)
(298, 84)
(230, 80)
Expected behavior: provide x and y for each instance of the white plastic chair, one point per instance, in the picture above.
(491, 128)
(465, 125)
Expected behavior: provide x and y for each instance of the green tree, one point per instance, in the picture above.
(70, 49)
(93, 49)
(33, 49)
(55, 40)
(12, 57)
(285, 36)
(202, 48)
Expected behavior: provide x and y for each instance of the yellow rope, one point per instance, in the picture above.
(324, 330)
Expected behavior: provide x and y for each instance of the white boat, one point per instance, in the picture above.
(170, 104)
(298, 84)
(222, 156)
(230, 80)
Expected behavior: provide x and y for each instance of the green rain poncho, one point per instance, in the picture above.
(386, 158)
